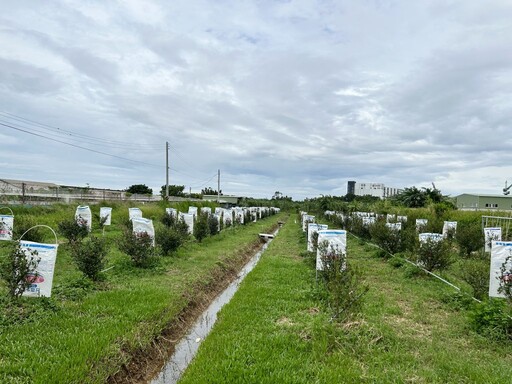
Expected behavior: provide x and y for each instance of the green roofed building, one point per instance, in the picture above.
(481, 202)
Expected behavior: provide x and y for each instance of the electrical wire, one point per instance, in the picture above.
(79, 146)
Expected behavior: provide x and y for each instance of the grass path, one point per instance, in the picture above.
(275, 331)
(86, 335)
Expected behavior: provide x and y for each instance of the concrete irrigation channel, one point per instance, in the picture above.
(188, 346)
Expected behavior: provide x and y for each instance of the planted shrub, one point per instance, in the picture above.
(73, 231)
(342, 284)
(476, 273)
(89, 256)
(505, 287)
(388, 239)
(23, 224)
(139, 247)
(169, 239)
(18, 270)
(434, 254)
(469, 237)
(213, 225)
(169, 220)
(201, 227)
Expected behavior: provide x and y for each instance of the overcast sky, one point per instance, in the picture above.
(290, 96)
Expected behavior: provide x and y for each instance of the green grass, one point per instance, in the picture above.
(86, 331)
(275, 330)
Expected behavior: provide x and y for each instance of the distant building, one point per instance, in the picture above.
(224, 199)
(371, 189)
(483, 202)
(351, 188)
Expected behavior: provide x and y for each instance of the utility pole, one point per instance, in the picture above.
(218, 186)
(167, 170)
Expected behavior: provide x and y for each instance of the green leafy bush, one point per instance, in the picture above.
(139, 247)
(388, 239)
(169, 239)
(89, 256)
(18, 270)
(72, 231)
(434, 254)
(22, 225)
(201, 227)
(213, 225)
(476, 273)
(469, 238)
(493, 319)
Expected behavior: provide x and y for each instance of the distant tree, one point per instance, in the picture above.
(141, 189)
(209, 191)
(174, 190)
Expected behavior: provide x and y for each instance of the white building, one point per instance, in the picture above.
(375, 189)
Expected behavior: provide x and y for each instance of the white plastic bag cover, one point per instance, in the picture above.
(402, 219)
(307, 219)
(500, 251)
(189, 220)
(394, 226)
(432, 236)
(390, 218)
(141, 225)
(171, 212)
(106, 212)
(449, 225)
(421, 223)
(368, 221)
(83, 216)
(206, 210)
(336, 238)
(491, 234)
(219, 210)
(6, 227)
(192, 211)
(312, 229)
(47, 253)
(134, 213)
(227, 215)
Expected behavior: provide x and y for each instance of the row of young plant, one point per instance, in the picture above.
(338, 280)
(454, 250)
(28, 267)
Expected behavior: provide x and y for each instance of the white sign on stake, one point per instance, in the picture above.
(336, 241)
(106, 214)
(83, 216)
(312, 229)
(6, 227)
(501, 252)
(42, 283)
(491, 234)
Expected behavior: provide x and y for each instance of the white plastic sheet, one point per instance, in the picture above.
(402, 219)
(312, 229)
(134, 213)
(432, 236)
(192, 211)
(206, 210)
(394, 226)
(500, 252)
(6, 227)
(449, 226)
(336, 241)
(47, 253)
(189, 220)
(390, 218)
(491, 234)
(141, 225)
(171, 212)
(305, 220)
(367, 221)
(83, 216)
(421, 223)
(106, 212)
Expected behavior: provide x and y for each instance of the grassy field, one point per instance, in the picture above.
(410, 329)
(86, 331)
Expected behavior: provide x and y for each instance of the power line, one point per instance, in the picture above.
(67, 133)
(79, 146)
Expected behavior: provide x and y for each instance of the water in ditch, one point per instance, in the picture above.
(187, 348)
